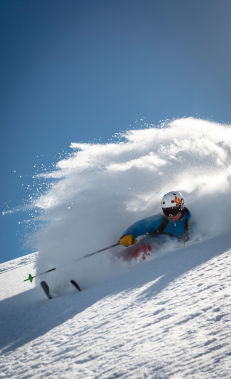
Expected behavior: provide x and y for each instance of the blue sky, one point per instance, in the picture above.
(81, 71)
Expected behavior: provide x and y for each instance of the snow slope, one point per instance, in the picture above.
(169, 317)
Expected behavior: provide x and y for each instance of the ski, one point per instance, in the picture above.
(45, 288)
(75, 284)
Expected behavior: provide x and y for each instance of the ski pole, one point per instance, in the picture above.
(99, 251)
(31, 277)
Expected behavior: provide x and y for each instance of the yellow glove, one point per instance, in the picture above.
(127, 240)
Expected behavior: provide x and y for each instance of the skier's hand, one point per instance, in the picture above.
(127, 240)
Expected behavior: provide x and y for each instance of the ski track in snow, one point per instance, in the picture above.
(168, 317)
(11, 265)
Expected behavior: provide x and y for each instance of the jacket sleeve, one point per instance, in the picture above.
(144, 226)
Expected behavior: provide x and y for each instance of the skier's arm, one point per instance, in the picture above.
(140, 228)
(186, 236)
(186, 228)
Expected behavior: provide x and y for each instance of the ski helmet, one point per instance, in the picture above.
(173, 200)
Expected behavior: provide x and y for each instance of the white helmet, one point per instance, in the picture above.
(173, 199)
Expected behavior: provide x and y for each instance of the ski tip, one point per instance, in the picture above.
(46, 289)
(75, 284)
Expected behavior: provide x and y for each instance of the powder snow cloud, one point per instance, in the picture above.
(102, 188)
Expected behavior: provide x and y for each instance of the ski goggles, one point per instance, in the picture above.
(172, 211)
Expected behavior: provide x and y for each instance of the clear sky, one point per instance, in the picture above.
(81, 71)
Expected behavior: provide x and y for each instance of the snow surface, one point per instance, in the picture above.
(166, 317)
(169, 317)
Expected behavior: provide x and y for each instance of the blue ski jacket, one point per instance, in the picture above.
(160, 224)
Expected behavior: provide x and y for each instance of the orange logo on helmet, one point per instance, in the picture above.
(177, 201)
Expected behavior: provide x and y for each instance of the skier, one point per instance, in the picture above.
(173, 222)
